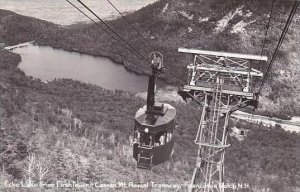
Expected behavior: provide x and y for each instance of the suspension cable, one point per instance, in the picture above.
(112, 36)
(91, 19)
(284, 31)
(132, 26)
(102, 28)
(113, 31)
(266, 34)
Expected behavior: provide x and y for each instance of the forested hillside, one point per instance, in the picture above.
(235, 26)
(67, 130)
(70, 131)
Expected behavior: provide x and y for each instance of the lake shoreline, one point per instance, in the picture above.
(94, 55)
(113, 59)
(170, 97)
(37, 43)
(47, 63)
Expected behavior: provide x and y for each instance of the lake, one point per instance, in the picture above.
(61, 12)
(47, 63)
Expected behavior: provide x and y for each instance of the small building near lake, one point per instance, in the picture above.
(239, 133)
(2, 46)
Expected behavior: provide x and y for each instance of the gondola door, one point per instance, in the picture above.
(145, 150)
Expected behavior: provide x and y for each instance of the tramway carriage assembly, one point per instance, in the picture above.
(154, 125)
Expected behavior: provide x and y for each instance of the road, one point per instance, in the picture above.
(288, 125)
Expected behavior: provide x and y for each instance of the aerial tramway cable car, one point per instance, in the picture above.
(154, 124)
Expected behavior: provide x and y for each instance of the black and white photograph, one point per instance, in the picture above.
(149, 96)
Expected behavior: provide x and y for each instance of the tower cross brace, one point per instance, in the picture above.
(220, 83)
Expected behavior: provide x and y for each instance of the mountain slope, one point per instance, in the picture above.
(39, 131)
(37, 119)
(235, 26)
(15, 28)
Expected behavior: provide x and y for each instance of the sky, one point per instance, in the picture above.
(61, 12)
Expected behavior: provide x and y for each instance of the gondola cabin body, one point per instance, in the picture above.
(153, 136)
(154, 125)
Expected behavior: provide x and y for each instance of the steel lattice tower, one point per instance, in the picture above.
(220, 83)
